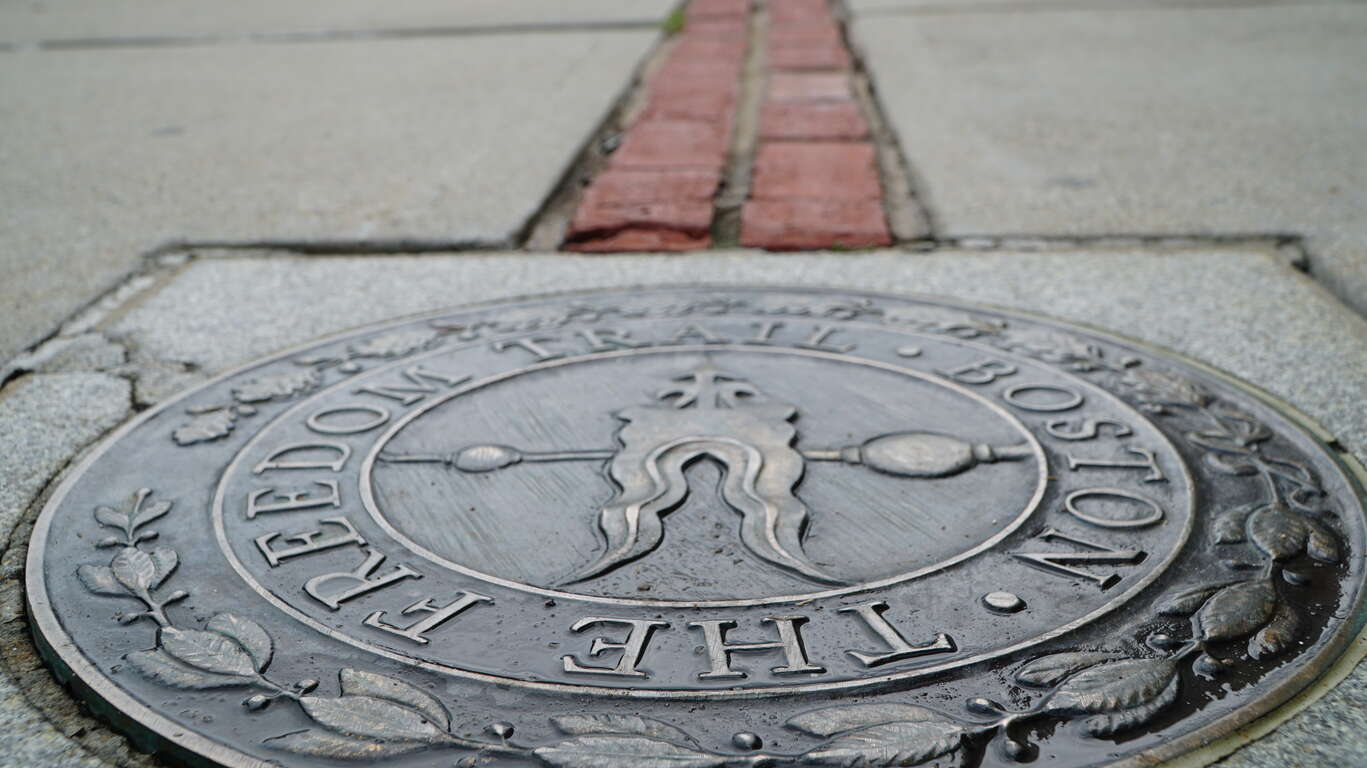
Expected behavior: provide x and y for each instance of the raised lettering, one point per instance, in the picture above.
(633, 648)
(439, 615)
(981, 372)
(1154, 515)
(359, 579)
(764, 332)
(817, 340)
(420, 380)
(532, 344)
(309, 542)
(1070, 399)
(1150, 462)
(1087, 429)
(689, 332)
(606, 339)
(273, 461)
(789, 641)
(380, 416)
(898, 647)
(288, 502)
(1059, 562)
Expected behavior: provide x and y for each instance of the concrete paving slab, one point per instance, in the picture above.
(1242, 310)
(940, 7)
(38, 21)
(1239, 308)
(1171, 121)
(105, 154)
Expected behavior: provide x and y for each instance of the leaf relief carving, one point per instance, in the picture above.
(889, 744)
(1113, 686)
(1238, 610)
(624, 751)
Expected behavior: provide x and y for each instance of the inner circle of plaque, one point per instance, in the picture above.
(858, 517)
(1019, 631)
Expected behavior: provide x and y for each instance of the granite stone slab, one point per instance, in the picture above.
(1241, 309)
(1154, 120)
(105, 154)
(27, 23)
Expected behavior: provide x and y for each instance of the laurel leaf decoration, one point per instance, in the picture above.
(163, 668)
(583, 725)
(1277, 531)
(277, 386)
(357, 682)
(112, 518)
(149, 512)
(624, 751)
(1238, 610)
(832, 720)
(889, 744)
(1228, 527)
(207, 426)
(1277, 636)
(339, 747)
(207, 651)
(1113, 686)
(100, 580)
(371, 717)
(1115, 722)
(134, 569)
(1189, 601)
(1050, 670)
(164, 561)
(395, 344)
(248, 634)
(1321, 545)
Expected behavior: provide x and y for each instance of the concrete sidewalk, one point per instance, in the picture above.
(133, 127)
(1156, 169)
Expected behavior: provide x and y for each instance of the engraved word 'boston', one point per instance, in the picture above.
(702, 527)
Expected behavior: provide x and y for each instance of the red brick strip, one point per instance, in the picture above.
(815, 182)
(657, 191)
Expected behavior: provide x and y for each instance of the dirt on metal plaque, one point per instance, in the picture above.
(702, 527)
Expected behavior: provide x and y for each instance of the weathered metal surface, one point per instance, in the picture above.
(701, 527)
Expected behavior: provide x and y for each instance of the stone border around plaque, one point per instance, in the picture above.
(703, 526)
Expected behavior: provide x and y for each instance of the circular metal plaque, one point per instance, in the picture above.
(701, 527)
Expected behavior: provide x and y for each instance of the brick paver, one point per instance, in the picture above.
(791, 225)
(839, 120)
(658, 188)
(815, 182)
(816, 170)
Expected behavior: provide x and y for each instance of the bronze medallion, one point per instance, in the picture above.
(698, 527)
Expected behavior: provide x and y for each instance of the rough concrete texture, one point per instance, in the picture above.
(44, 420)
(1030, 118)
(84, 20)
(1244, 311)
(1240, 309)
(109, 153)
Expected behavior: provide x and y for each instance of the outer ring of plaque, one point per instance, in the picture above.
(1216, 739)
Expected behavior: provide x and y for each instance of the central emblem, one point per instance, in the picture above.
(713, 414)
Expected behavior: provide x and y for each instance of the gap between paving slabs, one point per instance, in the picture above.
(810, 167)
